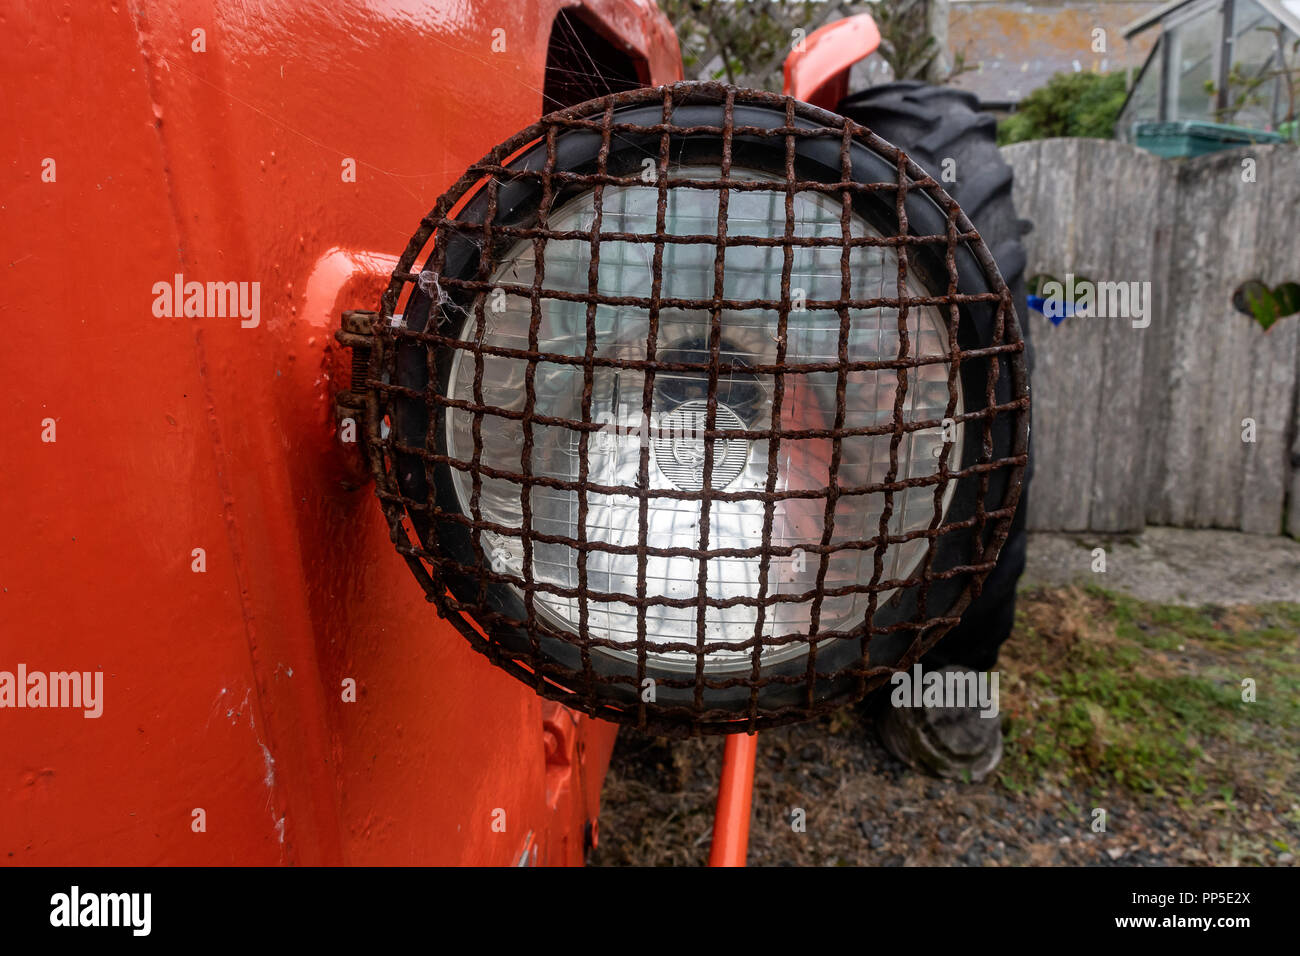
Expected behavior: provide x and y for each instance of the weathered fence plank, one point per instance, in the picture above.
(1136, 425)
(1118, 490)
(1293, 495)
(1218, 216)
(1280, 262)
(1067, 372)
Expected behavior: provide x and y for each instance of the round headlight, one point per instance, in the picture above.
(705, 405)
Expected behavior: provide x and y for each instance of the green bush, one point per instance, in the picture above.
(1071, 104)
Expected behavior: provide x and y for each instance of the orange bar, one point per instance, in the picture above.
(735, 798)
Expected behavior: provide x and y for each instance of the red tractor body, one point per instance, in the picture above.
(211, 651)
(180, 514)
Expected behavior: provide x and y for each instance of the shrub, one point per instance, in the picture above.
(1071, 104)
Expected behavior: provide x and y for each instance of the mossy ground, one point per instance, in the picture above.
(1106, 691)
(1108, 702)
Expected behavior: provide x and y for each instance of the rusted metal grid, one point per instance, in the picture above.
(586, 687)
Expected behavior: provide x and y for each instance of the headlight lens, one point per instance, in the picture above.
(674, 429)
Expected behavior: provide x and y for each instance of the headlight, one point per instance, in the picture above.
(685, 427)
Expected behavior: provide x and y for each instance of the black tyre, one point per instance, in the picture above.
(944, 132)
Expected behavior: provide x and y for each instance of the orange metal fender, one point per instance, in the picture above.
(817, 70)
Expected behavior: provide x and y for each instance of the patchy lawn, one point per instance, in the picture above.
(1108, 703)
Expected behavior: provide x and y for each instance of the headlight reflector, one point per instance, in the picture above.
(677, 420)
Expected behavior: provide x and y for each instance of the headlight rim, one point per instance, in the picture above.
(786, 693)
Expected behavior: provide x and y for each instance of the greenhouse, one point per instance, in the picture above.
(1222, 73)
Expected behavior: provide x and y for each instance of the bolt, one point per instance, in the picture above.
(358, 322)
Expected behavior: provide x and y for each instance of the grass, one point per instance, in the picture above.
(1108, 702)
(1107, 691)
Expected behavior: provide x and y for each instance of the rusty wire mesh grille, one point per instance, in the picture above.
(694, 580)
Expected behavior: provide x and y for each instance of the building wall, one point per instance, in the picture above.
(1012, 48)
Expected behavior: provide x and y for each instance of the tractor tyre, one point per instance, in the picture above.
(942, 130)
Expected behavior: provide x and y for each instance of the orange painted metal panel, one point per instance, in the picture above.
(223, 689)
(818, 71)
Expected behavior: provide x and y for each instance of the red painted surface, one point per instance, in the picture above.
(223, 689)
(819, 73)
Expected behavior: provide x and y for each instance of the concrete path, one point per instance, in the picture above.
(1173, 565)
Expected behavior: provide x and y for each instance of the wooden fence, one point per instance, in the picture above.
(1136, 426)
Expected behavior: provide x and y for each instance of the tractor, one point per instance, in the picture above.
(453, 385)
